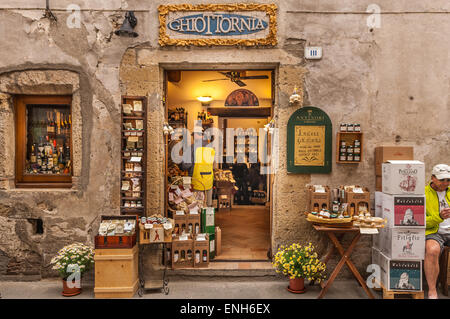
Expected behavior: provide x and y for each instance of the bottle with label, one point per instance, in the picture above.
(175, 256)
(183, 256)
(324, 206)
(343, 127)
(357, 128)
(33, 155)
(350, 128)
(343, 156)
(335, 207)
(190, 228)
(357, 158)
(197, 256)
(189, 254)
(349, 157)
(197, 228)
(205, 256)
(316, 208)
(352, 209)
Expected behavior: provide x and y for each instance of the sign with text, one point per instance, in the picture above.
(309, 141)
(217, 24)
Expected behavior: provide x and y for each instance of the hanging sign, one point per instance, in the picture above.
(217, 24)
(309, 141)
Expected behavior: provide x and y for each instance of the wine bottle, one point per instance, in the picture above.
(33, 155)
(49, 126)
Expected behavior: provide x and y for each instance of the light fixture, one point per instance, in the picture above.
(294, 98)
(205, 100)
(128, 25)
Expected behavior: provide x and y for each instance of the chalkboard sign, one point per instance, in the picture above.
(309, 141)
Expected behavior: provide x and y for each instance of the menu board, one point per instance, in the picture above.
(309, 148)
(309, 141)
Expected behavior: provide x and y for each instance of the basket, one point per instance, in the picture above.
(342, 222)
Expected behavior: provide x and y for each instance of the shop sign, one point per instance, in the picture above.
(309, 141)
(217, 24)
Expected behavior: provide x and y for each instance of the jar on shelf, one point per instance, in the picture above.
(357, 128)
(349, 157)
(357, 158)
(350, 128)
(343, 127)
(350, 149)
(343, 156)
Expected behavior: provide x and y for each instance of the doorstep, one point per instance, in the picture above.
(237, 269)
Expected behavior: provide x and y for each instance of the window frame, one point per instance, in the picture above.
(37, 181)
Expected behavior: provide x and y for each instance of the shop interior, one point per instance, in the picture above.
(241, 194)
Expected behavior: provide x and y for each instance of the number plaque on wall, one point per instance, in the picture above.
(309, 141)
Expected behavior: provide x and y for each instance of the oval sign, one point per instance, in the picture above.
(217, 24)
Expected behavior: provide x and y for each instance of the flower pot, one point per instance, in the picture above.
(296, 285)
(69, 292)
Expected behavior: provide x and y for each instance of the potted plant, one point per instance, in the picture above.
(71, 262)
(299, 263)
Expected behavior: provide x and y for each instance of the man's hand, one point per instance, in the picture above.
(445, 213)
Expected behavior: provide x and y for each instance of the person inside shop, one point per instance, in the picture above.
(437, 198)
(200, 165)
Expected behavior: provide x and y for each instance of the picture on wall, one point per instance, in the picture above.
(241, 97)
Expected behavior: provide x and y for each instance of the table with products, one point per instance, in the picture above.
(331, 232)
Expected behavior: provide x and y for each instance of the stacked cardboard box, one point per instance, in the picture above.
(399, 248)
(385, 153)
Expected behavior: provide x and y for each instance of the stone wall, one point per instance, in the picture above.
(393, 80)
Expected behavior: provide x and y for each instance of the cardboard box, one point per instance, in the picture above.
(378, 204)
(403, 243)
(401, 275)
(182, 253)
(385, 153)
(316, 198)
(193, 223)
(357, 199)
(218, 241)
(201, 252)
(404, 210)
(376, 256)
(208, 220)
(212, 246)
(180, 222)
(378, 238)
(404, 177)
(379, 183)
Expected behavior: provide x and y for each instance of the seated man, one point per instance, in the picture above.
(437, 195)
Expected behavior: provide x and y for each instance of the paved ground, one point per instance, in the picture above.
(51, 289)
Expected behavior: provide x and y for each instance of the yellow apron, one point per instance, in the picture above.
(202, 177)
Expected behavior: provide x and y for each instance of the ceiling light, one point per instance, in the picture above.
(204, 99)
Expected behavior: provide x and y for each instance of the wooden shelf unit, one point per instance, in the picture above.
(140, 211)
(349, 138)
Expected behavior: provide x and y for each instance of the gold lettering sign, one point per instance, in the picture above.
(218, 24)
(309, 149)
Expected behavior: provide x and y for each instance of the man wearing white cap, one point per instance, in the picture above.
(437, 194)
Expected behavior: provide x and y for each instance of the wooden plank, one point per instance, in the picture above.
(253, 112)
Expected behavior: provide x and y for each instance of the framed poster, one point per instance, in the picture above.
(309, 141)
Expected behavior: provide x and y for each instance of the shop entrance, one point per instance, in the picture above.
(237, 103)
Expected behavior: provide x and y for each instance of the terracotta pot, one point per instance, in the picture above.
(296, 285)
(69, 292)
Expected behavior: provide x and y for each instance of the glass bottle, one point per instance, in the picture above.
(175, 256)
(197, 256)
(205, 256)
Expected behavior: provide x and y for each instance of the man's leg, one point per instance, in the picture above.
(431, 265)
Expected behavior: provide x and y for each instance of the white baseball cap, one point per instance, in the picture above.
(441, 171)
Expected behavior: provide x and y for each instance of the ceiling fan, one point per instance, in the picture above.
(236, 77)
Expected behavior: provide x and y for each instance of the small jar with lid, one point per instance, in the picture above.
(350, 128)
(357, 150)
(343, 149)
(349, 157)
(343, 157)
(357, 143)
(343, 127)
(350, 149)
(343, 143)
(335, 207)
(357, 128)
(357, 158)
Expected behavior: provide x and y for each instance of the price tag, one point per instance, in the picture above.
(167, 226)
(367, 230)
(148, 226)
(135, 159)
(133, 139)
(194, 211)
(179, 212)
(358, 190)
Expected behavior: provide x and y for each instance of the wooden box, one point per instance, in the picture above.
(193, 223)
(218, 241)
(116, 272)
(356, 199)
(182, 253)
(120, 241)
(349, 139)
(385, 153)
(201, 247)
(321, 199)
(180, 222)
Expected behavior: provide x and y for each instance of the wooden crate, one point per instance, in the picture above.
(116, 272)
(184, 248)
(317, 198)
(200, 246)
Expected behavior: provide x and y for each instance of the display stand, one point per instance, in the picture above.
(131, 201)
(142, 282)
(331, 232)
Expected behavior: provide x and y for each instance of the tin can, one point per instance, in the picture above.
(357, 128)
(343, 127)
(350, 128)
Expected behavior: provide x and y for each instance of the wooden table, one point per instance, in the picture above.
(331, 232)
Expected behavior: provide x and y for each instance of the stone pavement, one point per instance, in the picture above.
(204, 289)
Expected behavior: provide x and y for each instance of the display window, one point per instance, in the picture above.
(43, 141)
